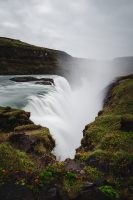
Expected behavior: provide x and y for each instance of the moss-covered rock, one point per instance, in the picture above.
(33, 139)
(10, 118)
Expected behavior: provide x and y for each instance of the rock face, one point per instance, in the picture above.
(107, 143)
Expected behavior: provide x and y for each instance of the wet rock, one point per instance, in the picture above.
(24, 79)
(42, 81)
(47, 80)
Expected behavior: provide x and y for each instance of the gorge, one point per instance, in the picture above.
(79, 91)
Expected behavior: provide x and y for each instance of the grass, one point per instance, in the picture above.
(13, 159)
(107, 144)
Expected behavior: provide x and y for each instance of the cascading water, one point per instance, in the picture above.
(65, 110)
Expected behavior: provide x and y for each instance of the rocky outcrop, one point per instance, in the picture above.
(43, 81)
(20, 137)
(10, 118)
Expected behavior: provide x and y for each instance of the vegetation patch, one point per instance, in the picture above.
(13, 159)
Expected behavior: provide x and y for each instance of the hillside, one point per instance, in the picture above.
(107, 144)
(17, 57)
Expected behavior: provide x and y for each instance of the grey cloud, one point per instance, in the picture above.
(84, 28)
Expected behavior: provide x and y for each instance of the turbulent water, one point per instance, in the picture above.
(65, 110)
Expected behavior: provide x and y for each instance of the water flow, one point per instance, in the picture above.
(66, 111)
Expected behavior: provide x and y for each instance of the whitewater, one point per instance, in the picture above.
(65, 108)
(65, 112)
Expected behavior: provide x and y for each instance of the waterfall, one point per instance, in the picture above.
(65, 111)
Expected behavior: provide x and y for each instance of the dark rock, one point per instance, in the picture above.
(47, 80)
(41, 81)
(10, 191)
(23, 142)
(100, 112)
(127, 123)
(93, 194)
(100, 182)
(44, 83)
(51, 194)
(24, 79)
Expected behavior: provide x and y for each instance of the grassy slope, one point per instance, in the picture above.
(108, 141)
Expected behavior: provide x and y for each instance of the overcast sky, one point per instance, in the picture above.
(83, 28)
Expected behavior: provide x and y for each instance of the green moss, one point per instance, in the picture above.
(92, 173)
(107, 144)
(109, 191)
(12, 159)
(27, 127)
(52, 173)
(121, 98)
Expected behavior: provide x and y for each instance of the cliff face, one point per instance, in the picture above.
(17, 57)
(107, 143)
